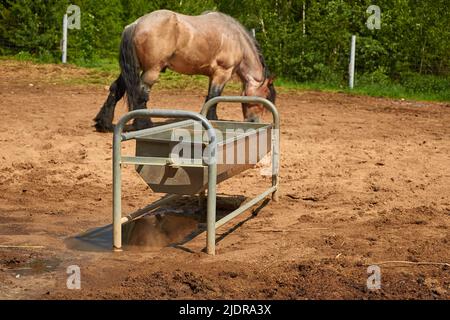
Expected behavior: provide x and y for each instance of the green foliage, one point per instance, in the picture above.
(32, 26)
(379, 77)
(101, 29)
(414, 39)
(425, 83)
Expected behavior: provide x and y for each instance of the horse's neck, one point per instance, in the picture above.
(251, 70)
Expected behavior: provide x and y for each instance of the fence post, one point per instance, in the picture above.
(352, 63)
(304, 25)
(304, 18)
(64, 40)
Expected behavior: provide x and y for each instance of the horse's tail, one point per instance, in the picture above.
(130, 67)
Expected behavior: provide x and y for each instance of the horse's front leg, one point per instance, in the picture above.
(216, 86)
(104, 119)
(149, 78)
(214, 91)
(142, 123)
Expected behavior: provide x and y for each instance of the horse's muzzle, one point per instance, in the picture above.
(253, 119)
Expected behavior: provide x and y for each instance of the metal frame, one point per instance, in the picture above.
(212, 224)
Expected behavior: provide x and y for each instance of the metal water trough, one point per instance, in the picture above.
(191, 176)
(208, 147)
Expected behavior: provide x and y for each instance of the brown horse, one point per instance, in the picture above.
(212, 44)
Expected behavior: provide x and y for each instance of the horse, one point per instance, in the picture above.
(212, 44)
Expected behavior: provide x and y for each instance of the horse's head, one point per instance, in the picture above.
(253, 112)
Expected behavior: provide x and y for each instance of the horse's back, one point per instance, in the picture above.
(155, 20)
(188, 44)
(207, 21)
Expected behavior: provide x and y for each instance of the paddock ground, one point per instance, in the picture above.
(364, 181)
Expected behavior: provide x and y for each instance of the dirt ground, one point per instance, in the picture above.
(364, 181)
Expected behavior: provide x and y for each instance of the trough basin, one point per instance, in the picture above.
(240, 146)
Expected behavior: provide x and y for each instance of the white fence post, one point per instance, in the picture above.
(304, 18)
(304, 25)
(64, 40)
(72, 20)
(352, 63)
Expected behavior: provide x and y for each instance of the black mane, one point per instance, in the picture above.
(266, 73)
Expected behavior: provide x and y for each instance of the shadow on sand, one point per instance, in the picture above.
(165, 227)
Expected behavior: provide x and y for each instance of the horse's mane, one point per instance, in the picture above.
(254, 44)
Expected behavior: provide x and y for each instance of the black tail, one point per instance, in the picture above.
(131, 71)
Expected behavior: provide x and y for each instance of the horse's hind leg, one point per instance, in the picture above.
(104, 119)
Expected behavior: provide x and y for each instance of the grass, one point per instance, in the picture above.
(389, 90)
(104, 71)
(397, 91)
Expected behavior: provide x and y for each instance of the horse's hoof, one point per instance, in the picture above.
(212, 116)
(128, 128)
(100, 127)
(141, 124)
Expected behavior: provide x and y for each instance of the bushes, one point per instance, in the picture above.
(32, 26)
(378, 77)
(425, 83)
(101, 29)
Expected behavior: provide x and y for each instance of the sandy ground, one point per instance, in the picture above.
(363, 181)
